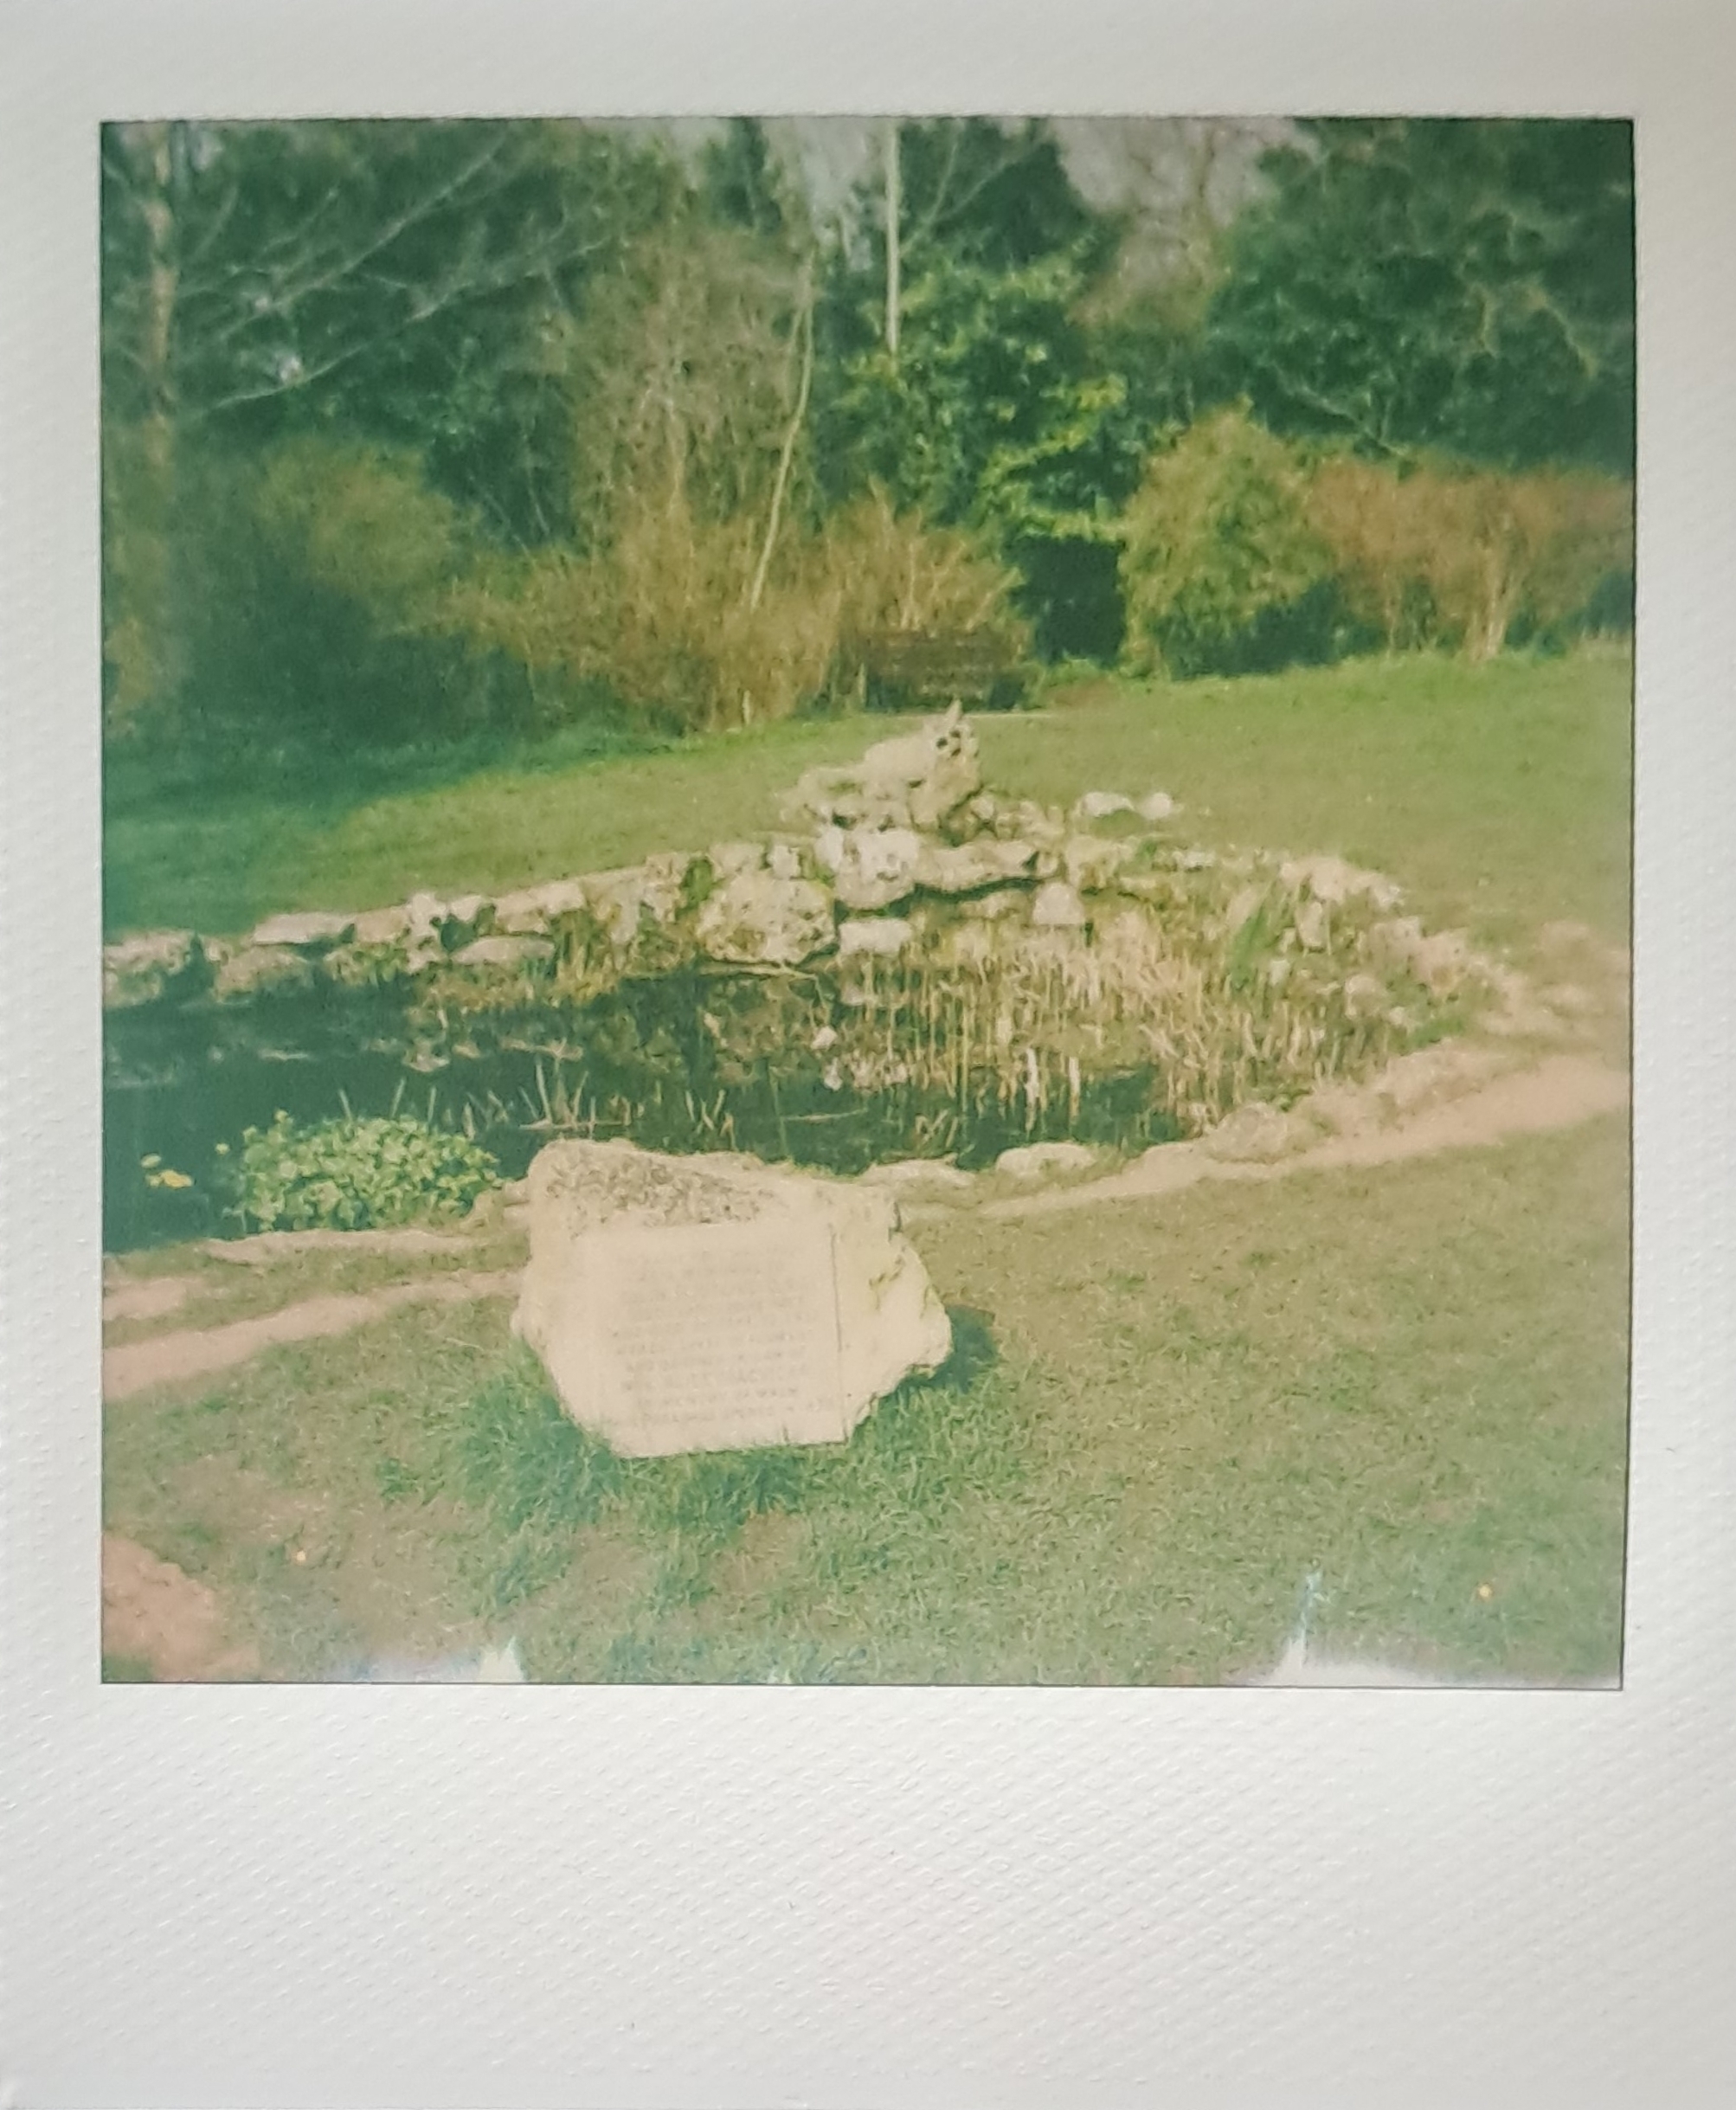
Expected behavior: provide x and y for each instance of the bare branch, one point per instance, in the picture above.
(804, 324)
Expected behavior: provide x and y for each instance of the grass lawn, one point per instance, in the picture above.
(1498, 794)
(1164, 1414)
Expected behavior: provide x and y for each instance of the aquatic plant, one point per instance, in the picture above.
(356, 1174)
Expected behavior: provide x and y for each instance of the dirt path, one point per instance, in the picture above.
(167, 1358)
(1558, 1093)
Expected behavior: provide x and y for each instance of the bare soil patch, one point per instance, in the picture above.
(156, 1614)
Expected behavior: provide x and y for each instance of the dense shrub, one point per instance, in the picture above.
(300, 598)
(1462, 558)
(356, 1174)
(1216, 543)
(1242, 552)
(666, 620)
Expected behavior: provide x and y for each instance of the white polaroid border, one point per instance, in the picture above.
(655, 1896)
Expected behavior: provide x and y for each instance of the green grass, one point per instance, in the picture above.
(1498, 794)
(1412, 1379)
(1164, 1415)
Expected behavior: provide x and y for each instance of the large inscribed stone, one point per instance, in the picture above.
(708, 1304)
(715, 1336)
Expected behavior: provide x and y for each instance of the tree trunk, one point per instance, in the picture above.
(162, 151)
(894, 211)
(803, 329)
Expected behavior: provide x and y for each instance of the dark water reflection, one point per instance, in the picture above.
(693, 1061)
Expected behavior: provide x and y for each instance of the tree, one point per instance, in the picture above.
(957, 373)
(995, 417)
(1465, 286)
(406, 282)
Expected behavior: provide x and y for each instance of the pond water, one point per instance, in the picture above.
(699, 1060)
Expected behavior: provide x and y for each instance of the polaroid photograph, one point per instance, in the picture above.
(866, 892)
(866, 916)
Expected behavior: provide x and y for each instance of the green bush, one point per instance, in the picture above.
(354, 1174)
(1216, 544)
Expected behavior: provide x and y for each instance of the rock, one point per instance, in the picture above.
(264, 970)
(1256, 1134)
(1157, 806)
(1034, 1160)
(306, 933)
(915, 781)
(471, 913)
(968, 867)
(1025, 821)
(1364, 996)
(783, 862)
(1091, 862)
(884, 937)
(918, 1173)
(383, 926)
(1311, 925)
(756, 919)
(1057, 907)
(503, 951)
(706, 1303)
(1197, 860)
(435, 925)
(726, 859)
(617, 899)
(1099, 804)
(1441, 961)
(529, 911)
(875, 867)
(157, 963)
(1393, 944)
(663, 885)
(1330, 879)
(992, 908)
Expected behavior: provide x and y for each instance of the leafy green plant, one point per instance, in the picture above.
(1217, 541)
(354, 1174)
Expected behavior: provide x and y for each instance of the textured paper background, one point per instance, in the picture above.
(521, 1898)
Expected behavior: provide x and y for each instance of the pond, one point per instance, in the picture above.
(701, 1059)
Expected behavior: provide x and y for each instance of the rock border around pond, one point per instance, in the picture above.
(903, 857)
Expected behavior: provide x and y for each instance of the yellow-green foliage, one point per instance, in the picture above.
(665, 615)
(705, 587)
(1455, 558)
(1217, 536)
(363, 521)
(1232, 528)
